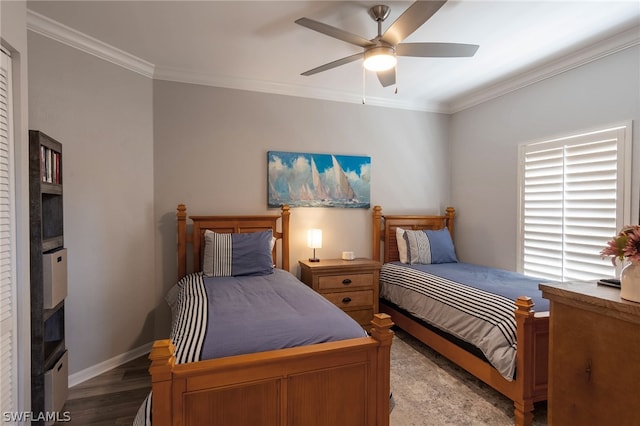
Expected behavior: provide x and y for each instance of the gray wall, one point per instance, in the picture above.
(211, 154)
(102, 115)
(485, 139)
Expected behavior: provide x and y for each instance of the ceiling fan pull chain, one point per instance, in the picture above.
(395, 70)
(363, 86)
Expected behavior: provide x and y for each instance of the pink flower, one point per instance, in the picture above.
(632, 249)
(625, 245)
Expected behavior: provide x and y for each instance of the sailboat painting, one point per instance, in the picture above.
(318, 180)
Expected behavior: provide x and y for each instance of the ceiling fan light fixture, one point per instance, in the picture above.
(380, 58)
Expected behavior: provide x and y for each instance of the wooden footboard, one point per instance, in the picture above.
(530, 383)
(344, 382)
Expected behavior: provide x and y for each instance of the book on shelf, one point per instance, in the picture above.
(50, 165)
(56, 176)
(43, 163)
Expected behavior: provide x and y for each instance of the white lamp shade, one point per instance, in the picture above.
(314, 238)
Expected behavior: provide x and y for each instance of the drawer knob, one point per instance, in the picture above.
(346, 300)
(346, 281)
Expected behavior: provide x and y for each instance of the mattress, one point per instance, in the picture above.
(471, 302)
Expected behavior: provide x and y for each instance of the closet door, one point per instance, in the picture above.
(8, 281)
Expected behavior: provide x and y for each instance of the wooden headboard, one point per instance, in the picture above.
(384, 229)
(228, 225)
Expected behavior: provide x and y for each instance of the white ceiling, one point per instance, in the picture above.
(256, 45)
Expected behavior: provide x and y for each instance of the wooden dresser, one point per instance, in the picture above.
(594, 355)
(352, 285)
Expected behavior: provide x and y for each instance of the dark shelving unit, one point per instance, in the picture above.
(48, 270)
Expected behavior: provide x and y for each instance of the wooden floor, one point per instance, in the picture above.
(112, 398)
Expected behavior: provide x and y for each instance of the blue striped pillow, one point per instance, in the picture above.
(428, 247)
(228, 255)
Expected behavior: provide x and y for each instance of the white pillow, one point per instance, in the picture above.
(402, 245)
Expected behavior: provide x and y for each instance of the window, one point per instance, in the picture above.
(8, 282)
(575, 194)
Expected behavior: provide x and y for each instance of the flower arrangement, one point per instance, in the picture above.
(625, 245)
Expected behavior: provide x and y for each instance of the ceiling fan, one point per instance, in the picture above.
(380, 53)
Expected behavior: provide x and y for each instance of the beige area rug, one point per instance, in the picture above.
(428, 390)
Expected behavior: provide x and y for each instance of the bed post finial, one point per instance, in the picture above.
(377, 225)
(286, 211)
(163, 359)
(285, 236)
(182, 240)
(381, 331)
(381, 328)
(450, 215)
(525, 360)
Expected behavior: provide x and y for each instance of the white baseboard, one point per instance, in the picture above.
(96, 370)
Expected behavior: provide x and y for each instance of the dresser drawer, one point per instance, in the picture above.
(348, 299)
(345, 281)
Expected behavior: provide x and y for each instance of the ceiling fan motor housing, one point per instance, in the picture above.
(380, 12)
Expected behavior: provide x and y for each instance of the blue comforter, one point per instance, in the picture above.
(472, 302)
(504, 283)
(262, 313)
(215, 317)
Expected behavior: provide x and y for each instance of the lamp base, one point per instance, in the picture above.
(314, 259)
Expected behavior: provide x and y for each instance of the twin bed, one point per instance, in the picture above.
(251, 344)
(240, 362)
(465, 312)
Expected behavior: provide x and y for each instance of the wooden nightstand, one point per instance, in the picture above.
(352, 285)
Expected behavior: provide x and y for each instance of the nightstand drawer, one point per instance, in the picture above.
(351, 285)
(362, 317)
(345, 281)
(347, 299)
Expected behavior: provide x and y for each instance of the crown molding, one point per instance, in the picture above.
(616, 43)
(184, 76)
(66, 35)
(52, 29)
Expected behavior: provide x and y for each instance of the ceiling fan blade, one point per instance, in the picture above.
(436, 50)
(334, 64)
(334, 32)
(412, 18)
(388, 77)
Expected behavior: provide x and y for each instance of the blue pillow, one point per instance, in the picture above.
(237, 254)
(428, 247)
(442, 250)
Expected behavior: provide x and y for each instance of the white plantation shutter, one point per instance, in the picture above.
(8, 282)
(575, 196)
